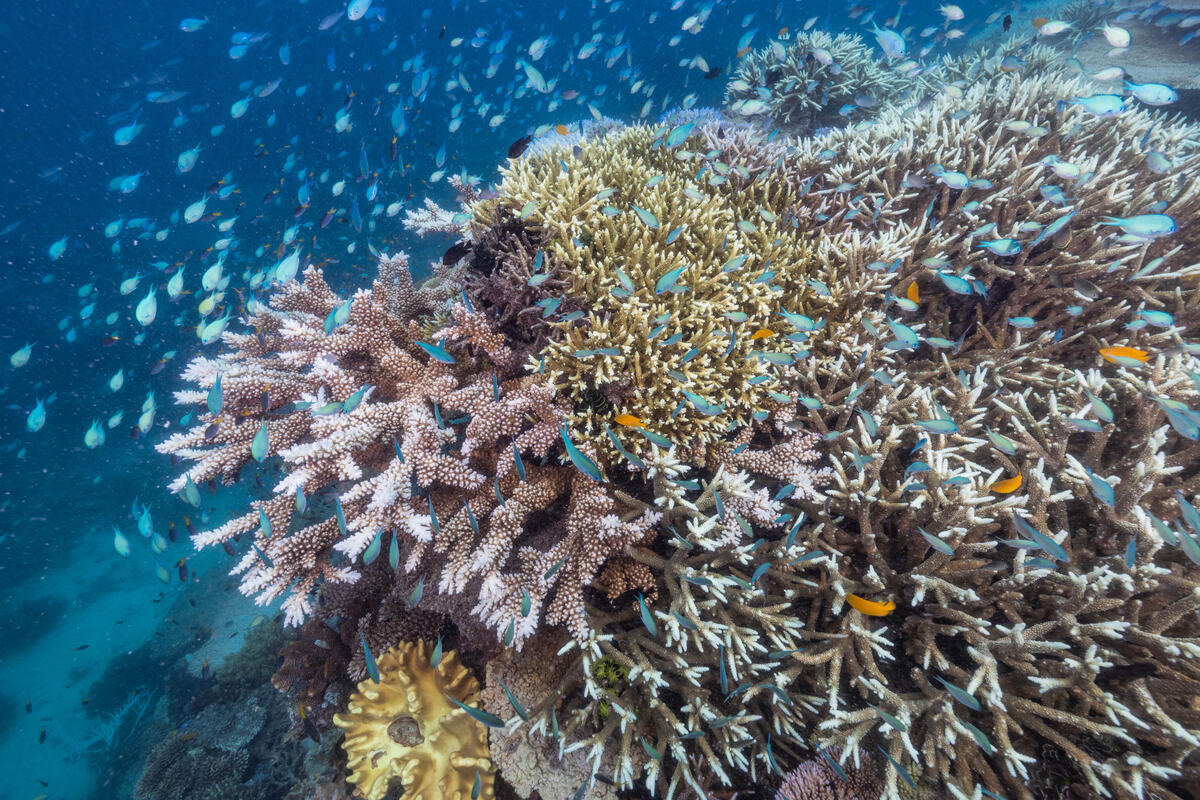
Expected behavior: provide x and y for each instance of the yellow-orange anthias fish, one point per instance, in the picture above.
(1115, 353)
(628, 420)
(913, 292)
(1008, 485)
(870, 607)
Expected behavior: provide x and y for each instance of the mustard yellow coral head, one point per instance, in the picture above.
(405, 727)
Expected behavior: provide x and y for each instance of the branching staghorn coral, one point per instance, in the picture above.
(805, 84)
(690, 698)
(657, 289)
(994, 370)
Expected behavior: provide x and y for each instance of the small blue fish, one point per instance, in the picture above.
(372, 667)
(906, 335)
(1102, 489)
(436, 352)
(372, 551)
(655, 438)
(517, 460)
(353, 401)
(1053, 548)
(1002, 247)
(959, 694)
(329, 409)
(261, 443)
(647, 619)
(771, 757)
(667, 282)
(889, 719)
(955, 283)
(981, 739)
(943, 426)
(581, 461)
(901, 771)
(394, 552)
(936, 542)
(1143, 226)
(479, 715)
(216, 398)
(265, 559)
(1190, 515)
(645, 216)
(512, 700)
(340, 516)
(1101, 105)
(433, 520)
(1159, 319)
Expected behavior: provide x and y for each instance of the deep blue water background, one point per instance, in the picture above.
(70, 74)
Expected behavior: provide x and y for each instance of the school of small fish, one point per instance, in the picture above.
(399, 99)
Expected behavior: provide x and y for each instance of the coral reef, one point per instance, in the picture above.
(228, 749)
(976, 220)
(405, 727)
(816, 80)
(181, 770)
(1007, 379)
(893, 449)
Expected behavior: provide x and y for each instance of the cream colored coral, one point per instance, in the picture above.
(627, 215)
(405, 727)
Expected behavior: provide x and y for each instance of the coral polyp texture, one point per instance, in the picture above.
(404, 727)
(876, 450)
(815, 80)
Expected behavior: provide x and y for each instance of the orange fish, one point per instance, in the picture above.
(628, 420)
(1007, 486)
(561, 129)
(761, 333)
(783, 32)
(743, 51)
(1115, 354)
(913, 292)
(870, 607)
(1039, 21)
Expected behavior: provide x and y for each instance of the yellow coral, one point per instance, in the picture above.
(676, 259)
(405, 726)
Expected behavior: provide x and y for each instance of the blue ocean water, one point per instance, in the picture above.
(92, 638)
